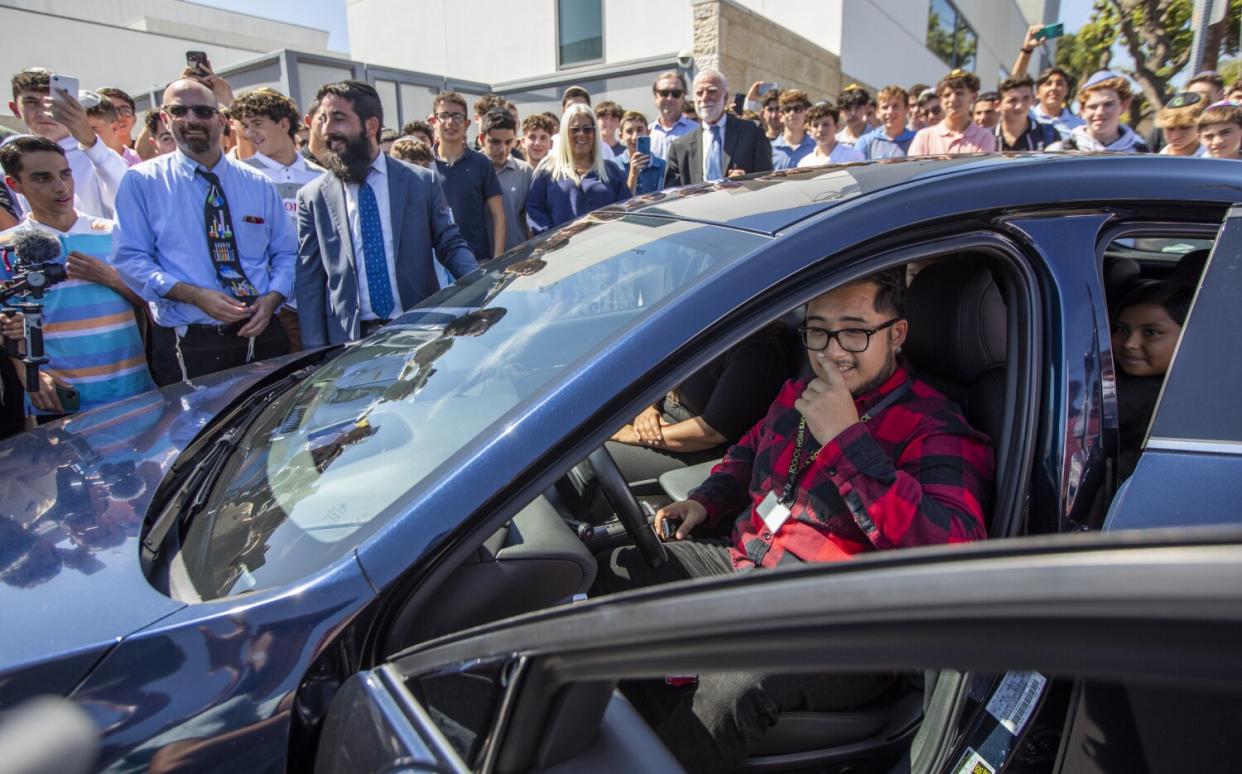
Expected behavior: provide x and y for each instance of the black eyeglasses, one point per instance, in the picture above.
(793, 108)
(201, 112)
(850, 339)
(675, 93)
(451, 117)
(582, 130)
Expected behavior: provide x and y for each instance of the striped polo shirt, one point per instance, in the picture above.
(90, 335)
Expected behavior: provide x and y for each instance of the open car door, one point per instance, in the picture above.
(1003, 635)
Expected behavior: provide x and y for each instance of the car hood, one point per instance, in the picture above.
(73, 496)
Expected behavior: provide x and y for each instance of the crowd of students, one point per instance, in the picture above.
(236, 227)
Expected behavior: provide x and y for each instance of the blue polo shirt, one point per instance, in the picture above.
(468, 183)
(878, 145)
(786, 156)
(650, 179)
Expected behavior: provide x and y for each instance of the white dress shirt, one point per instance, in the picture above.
(378, 181)
(707, 144)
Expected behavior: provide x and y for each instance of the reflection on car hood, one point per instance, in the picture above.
(73, 496)
(773, 201)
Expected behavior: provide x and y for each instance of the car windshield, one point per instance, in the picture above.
(315, 473)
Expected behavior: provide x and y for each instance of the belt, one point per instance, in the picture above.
(219, 330)
(371, 326)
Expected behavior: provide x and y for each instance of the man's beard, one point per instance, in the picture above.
(352, 164)
(197, 144)
(880, 378)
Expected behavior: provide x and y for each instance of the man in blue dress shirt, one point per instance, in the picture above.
(670, 94)
(205, 240)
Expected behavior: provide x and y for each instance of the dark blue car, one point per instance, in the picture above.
(203, 568)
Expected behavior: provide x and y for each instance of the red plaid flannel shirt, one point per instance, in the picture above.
(916, 474)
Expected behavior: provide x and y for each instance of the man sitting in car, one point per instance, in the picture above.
(861, 457)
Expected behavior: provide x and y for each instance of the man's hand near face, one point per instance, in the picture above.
(827, 404)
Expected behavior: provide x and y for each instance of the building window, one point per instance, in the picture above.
(950, 37)
(580, 31)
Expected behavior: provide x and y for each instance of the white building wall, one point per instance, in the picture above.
(879, 41)
(176, 17)
(519, 40)
(478, 40)
(817, 21)
(886, 40)
(100, 55)
(637, 29)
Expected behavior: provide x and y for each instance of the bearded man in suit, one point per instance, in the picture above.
(723, 145)
(369, 231)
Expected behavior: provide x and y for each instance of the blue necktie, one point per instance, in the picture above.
(378, 286)
(713, 157)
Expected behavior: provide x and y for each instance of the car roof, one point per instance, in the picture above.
(771, 202)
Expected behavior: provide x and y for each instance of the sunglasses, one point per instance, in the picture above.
(675, 93)
(793, 108)
(201, 112)
(582, 130)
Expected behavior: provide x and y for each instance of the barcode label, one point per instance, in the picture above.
(1016, 698)
(973, 763)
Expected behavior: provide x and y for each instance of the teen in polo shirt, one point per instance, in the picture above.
(91, 336)
(891, 139)
(957, 133)
(793, 144)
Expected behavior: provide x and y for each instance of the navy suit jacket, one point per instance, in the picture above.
(327, 279)
(745, 147)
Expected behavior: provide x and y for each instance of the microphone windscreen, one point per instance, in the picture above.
(34, 245)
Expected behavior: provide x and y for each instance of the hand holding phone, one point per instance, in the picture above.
(66, 83)
(69, 399)
(1050, 32)
(643, 145)
(197, 61)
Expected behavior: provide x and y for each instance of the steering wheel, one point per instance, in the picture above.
(617, 493)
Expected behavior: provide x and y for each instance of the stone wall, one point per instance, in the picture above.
(747, 47)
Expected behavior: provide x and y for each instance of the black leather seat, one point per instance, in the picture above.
(958, 338)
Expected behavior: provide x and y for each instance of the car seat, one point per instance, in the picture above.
(958, 339)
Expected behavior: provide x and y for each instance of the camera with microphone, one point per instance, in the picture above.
(36, 268)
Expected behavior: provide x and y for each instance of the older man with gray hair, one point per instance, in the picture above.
(723, 145)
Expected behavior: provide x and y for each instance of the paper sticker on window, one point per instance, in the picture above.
(973, 763)
(1016, 698)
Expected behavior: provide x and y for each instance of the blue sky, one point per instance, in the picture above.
(330, 15)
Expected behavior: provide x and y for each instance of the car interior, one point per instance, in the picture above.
(971, 308)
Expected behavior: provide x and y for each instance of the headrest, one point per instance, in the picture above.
(958, 324)
(1190, 268)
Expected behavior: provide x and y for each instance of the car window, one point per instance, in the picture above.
(314, 471)
(1198, 403)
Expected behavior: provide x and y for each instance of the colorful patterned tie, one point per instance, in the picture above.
(713, 156)
(374, 258)
(221, 242)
